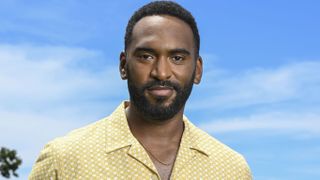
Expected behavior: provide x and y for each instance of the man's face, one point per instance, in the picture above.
(161, 66)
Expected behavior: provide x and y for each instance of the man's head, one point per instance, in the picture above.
(161, 60)
(163, 8)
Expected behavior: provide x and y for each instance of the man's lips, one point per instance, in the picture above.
(160, 91)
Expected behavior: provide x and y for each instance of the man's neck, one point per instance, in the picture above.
(166, 131)
(161, 140)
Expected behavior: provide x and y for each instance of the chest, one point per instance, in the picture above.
(121, 165)
(164, 171)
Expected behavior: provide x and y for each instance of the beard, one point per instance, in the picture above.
(158, 111)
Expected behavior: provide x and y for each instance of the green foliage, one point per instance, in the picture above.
(9, 162)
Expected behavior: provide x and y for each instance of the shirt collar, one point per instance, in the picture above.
(118, 134)
(117, 126)
(193, 137)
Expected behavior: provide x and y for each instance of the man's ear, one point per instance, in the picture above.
(122, 65)
(198, 75)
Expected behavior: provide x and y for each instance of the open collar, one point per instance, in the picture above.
(194, 138)
(118, 136)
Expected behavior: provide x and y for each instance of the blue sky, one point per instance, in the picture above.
(259, 93)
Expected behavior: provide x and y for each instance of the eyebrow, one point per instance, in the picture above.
(180, 50)
(172, 51)
(145, 49)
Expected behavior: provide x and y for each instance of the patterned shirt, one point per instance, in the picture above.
(107, 149)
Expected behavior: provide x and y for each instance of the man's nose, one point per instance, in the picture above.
(161, 69)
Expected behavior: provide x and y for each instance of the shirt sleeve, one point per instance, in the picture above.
(46, 165)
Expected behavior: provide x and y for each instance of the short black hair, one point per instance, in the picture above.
(163, 8)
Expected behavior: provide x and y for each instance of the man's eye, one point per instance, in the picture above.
(146, 57)
(177, 58)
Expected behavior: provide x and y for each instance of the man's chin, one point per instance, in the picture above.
(160, 102)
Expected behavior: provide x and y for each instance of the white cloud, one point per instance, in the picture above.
(284, 99)
(27, 132)
(296, 81)
(46, 91)
(54, 73)
(283, 122)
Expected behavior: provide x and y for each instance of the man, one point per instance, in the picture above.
(148, 137)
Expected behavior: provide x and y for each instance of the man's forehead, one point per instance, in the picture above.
(159, 21)
(162, 28)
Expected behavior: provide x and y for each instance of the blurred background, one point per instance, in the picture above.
(260, 92)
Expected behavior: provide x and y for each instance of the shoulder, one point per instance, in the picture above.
(220, 154)
(216, 148)
(82, 135)
(79, 141)
(65, 151)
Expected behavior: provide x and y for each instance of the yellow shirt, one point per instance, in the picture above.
(107, 149)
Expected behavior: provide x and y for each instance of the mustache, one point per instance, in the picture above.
(169, 84)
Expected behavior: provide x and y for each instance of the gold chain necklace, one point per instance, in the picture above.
(163, 163)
